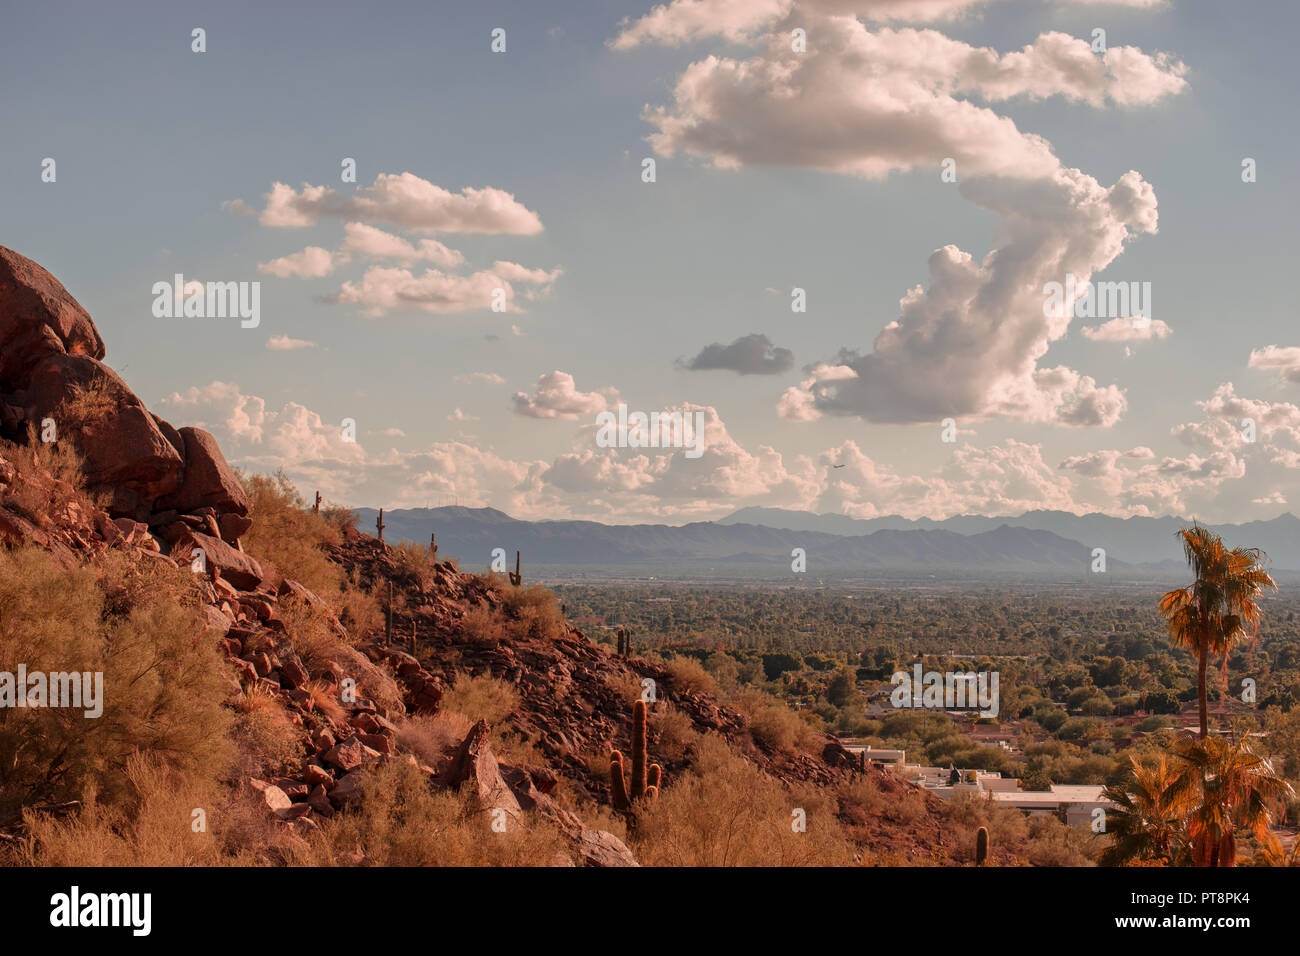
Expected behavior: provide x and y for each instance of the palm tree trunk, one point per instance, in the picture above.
(1201, 690)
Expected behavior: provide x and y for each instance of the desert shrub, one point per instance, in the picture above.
(163, 681)
(774, 725)
(360, 610)
(726, 812)
(413, 564)
(861, 799)
(288, 538)
(341, 519)
(267, 740)
(1053, 843)
(969, 812)
(687, 674)
(673, 735)
(481, 697)
(402, 822)
(482, 624)
(87, 403)
(429, 738)
(153, 826)
(626, 685)
(311, 633)
(910, 808)
(50, 478)
(516, 749)
(533, 611)
(326, 700)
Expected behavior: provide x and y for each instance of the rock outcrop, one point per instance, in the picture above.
(54, 384)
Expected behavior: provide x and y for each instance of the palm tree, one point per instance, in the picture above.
(1212, 613)
(1232, 788)
(1148, 821)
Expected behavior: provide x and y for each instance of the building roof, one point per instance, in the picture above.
(1059, 794)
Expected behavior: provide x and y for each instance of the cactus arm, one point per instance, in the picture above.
(618, 785)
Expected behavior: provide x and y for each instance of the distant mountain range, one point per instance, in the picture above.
(1053, 543)
(1135, 540)
(471, 534)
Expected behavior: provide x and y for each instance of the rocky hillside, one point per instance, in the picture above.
(163, 494)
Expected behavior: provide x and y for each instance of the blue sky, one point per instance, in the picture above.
(152, 142)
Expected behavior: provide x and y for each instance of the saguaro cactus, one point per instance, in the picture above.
(515, 576)
(624, 643)
(379, 524)
(645, 781)
(433, 546)
(982, 846)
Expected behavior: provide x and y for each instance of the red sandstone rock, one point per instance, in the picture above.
(208, 480)
(238, 568)
(39, 316)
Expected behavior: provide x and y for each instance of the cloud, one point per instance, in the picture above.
(800, 403)
(364, 242)
(283, 343)
(1225, 428)
(403, 200)
(1285, 360)
(410, 203)
(867, 103)
(738, 21)
(748, 355)
(630, 484)
(1207, 481)
(1008, 478)
(383, 289)
(1127, 330)
(371, 243)
(312, 263)
(617, 484)
(474, 378)
(556, 396)
(251, 432)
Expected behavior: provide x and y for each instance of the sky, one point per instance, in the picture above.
(841, 265)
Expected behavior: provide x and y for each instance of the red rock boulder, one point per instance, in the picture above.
(38, 316)
(123, 447)
(208, 481)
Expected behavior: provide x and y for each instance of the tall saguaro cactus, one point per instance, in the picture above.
(515, 576)
(645, 780)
